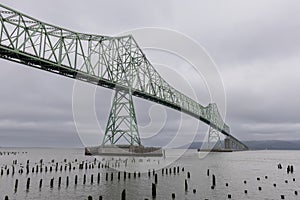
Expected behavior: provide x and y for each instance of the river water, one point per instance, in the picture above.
(235, 172)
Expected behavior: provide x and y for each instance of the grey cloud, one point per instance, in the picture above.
(255, 44)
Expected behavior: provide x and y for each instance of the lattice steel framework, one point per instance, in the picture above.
(122, 123)
(214, 139)
(102, 60)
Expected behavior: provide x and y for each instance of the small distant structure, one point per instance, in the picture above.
(124, 150)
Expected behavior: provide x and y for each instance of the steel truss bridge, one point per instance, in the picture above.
(117, 63)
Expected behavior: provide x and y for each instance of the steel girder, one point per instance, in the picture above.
(100, 60)
(122, 123)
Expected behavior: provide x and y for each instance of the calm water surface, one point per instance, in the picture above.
(229, 168)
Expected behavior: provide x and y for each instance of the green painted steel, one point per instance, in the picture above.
(112, 62)
(122, 123)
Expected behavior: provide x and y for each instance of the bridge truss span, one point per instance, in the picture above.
(112, 62)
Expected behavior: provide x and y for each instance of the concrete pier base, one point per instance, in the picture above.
(124, 150)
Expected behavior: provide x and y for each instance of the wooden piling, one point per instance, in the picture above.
(67, 181)
(51, 182)
(186, 186)
(16, 184)
(123, 196)
(76, 178)
(153, 190)
(188, 175)
(59, 181)
(28, 183)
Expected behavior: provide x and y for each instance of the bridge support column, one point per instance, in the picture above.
(214, 140)
(122, 123)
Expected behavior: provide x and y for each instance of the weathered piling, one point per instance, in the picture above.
(51, 182)
(213, 182)
(16, 184)
(173, 195)
(67, 181)
(155, 178)
(259, 188)
(41, 183)
(28, 183)
(76, 179)
(186, 186)
(84, 179)
(123, 196)
(153, 190)
(59, 181)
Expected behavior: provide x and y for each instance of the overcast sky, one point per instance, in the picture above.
(254, 43)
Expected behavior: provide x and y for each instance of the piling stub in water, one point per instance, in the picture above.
(59, 181)
(259, 188)
(90, 198)
(173, 195)
(188, 175)
(28, 183)
(185, 185)
(16, 184)
(67, 181)
(123, 197)
(41, 183)
(51, 183)
(76, 178)
(153, 190)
